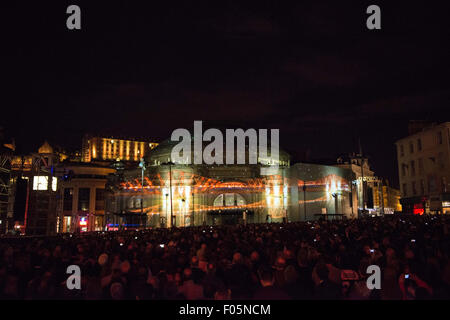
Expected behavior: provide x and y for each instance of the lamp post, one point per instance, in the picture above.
(193, 207)
(167, 204)
(170, 163)
(304, 198)
(142, 166)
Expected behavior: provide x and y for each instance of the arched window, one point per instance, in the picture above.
(229, 200)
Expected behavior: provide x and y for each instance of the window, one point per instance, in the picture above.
(99, 199)
(422, 187)
(413, 168)
(444, 184)
(54, 183)
(420, 165)
(411, 148)
(68, 199)
(402, 151)
(419, 144)
(414, 191)
(403, 169)
(84, 195)
(40, 183)
(404, 190)
(441, 161)
(439, 137)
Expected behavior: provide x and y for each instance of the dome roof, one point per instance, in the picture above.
(162, 153)
(45, 148)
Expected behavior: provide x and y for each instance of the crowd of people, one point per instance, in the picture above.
(299, 260)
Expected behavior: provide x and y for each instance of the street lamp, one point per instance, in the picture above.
(142, 166)
(193, 207)
(304, 198)
(170, 164)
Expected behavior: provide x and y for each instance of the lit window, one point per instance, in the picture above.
(40, 183)
(54, 183)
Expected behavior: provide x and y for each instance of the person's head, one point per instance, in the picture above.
(187, 274)
(254, 256)
(280, 264)
(237, 258)
(102, 259)
(194, 262)
(125, 267)
(222, 294)
(116, 291)
(266, 277)
(211, 268)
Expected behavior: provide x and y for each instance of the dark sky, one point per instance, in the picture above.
(310, 68)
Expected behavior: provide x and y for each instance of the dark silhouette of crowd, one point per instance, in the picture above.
(301, 260)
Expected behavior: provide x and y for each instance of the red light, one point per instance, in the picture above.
(418, 209)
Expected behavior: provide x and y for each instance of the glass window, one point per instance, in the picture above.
(84, 195)
(54, 183)
(419, 144)
(411, 148)
(68, 199)
(403, 169)
(40, 183)
(99, 199)
(420, 166)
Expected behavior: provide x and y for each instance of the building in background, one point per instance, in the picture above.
(81, 190)
(41, 189)
(96, 148)
(164, 194)
(6, 153)
(424, 168)
(364, 182)
(386, 198)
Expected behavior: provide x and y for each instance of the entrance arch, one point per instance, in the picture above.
(229, 200)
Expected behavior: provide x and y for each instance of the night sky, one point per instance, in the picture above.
(310, 68)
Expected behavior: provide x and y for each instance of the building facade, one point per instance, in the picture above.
(81, 190)
(164, 193)
(6, 155)
(41, 192)
(424, 169)
(95, 148)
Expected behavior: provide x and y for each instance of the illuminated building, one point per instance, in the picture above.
(219, 194)
(81, 196)
(424, 168)
(35, 193)
(95, 148)
(386, 198)
(6, 153)
(379, 198)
